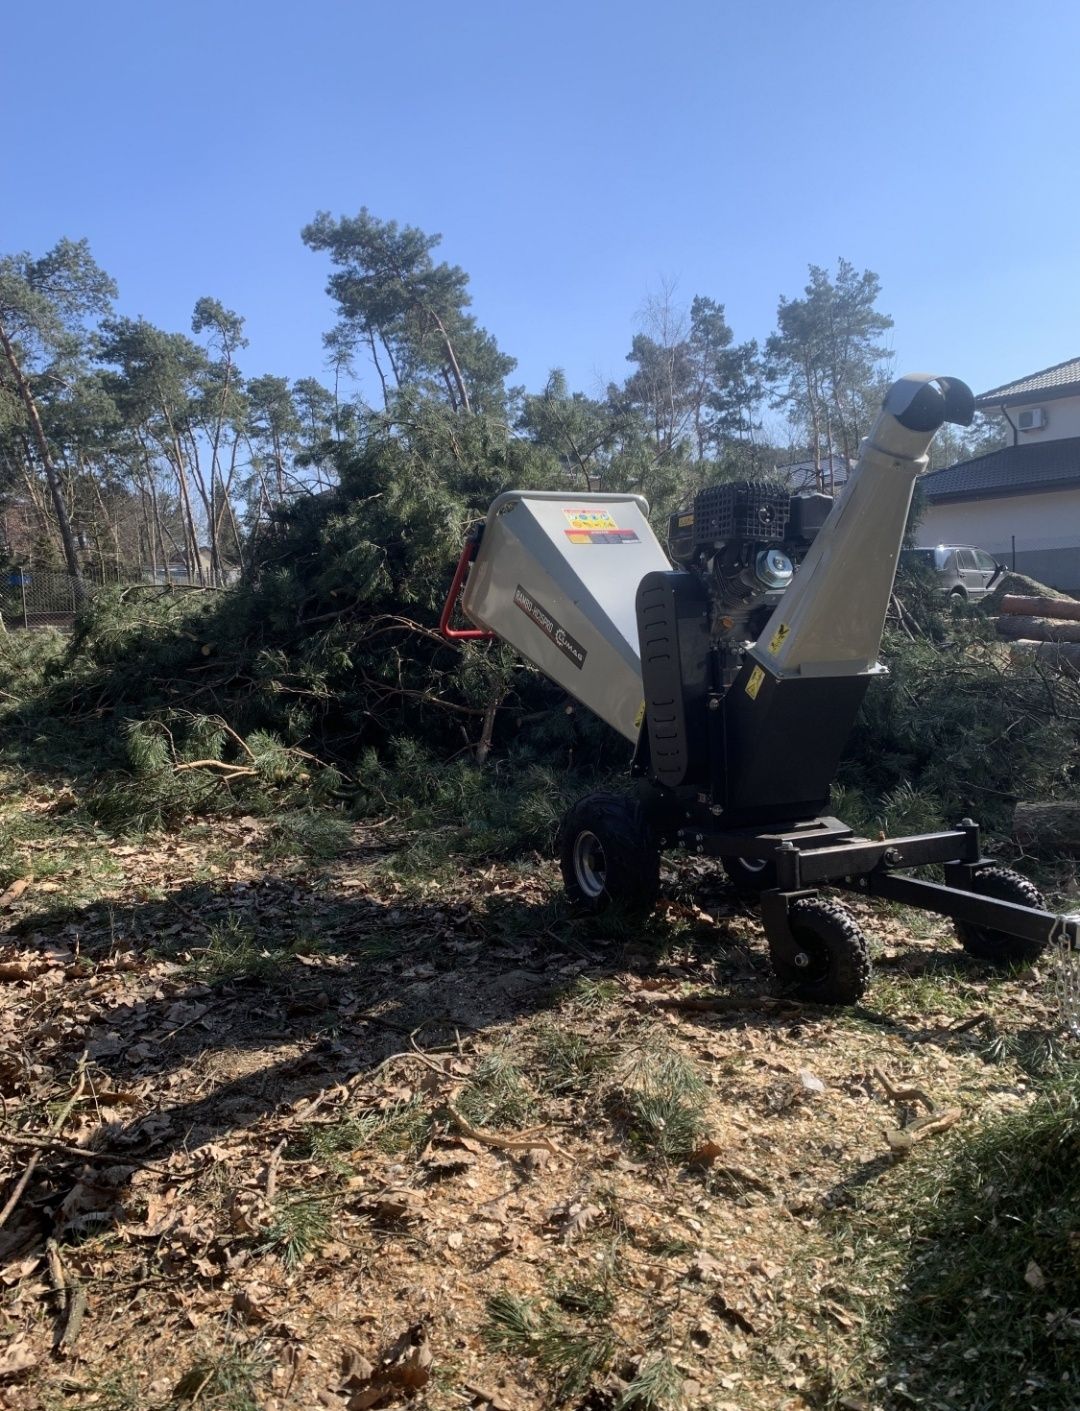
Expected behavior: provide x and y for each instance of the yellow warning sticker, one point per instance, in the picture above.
(753, 686)
(777, 640)
(685, 521)
(589, 519)
(640, 716)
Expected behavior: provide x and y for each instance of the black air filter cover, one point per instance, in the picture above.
(742, 509)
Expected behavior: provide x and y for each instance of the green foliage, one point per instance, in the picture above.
(978, 1241)
(497, 1094)
(227, 1380)
(959, 729)
(826, 355)
(568, 1062)
(235, 951)
(659, 1097)
(656, 1386)
(570, 1355)
(298, 1227)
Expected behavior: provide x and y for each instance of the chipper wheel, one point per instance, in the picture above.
(997, 947)
(609, 856)
(834, 961)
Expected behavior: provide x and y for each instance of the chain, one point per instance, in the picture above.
(1065, 969)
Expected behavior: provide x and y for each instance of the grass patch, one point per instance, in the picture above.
(929, 993)
(497, 1094)
(319, 834)
(299, 1228)
(567, 1062)
(569, 1355)
(657, 1386)
(234, 951)
(973, 1251)
(592, 994)
(118, 1391)
(226, 1382)
(403, 1127)
(660, 1098)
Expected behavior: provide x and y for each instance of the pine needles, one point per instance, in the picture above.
(977, 1242)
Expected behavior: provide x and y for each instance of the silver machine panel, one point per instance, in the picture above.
(556, 577)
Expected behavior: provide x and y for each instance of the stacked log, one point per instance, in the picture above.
(1031, 622)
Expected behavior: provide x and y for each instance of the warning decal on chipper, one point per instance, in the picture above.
(550, 628)
(596, 527)
(776, 641)
(753, 685)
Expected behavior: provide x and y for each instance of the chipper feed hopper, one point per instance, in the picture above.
(736, 663)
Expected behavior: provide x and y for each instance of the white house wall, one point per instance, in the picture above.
(1045, 527)
(1062, 419)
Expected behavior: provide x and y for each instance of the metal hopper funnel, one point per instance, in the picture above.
(556, 577)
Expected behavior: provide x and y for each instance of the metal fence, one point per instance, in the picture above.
(44, 597)
(40, 597)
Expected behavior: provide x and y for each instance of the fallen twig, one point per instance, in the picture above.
(272, 1169)
(81, 1153)
(718, 1004)
(76, 1310)
(937, 1119)
(71, 1296)
(902, 1139)
(54, 1126)
(904, 1094)
(232, 771)
(525, 1141)
(972, 1023)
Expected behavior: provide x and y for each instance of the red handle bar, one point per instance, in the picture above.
(462, 634)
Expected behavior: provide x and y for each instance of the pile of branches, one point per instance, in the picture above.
(327, 664)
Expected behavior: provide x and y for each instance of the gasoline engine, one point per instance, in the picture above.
(743, 540)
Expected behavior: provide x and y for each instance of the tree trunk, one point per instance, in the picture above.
(1038, 629)
(1015, 604)
(1051, 827)
(452, 356)
(67, 538)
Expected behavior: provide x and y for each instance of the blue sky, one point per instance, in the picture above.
(575, 157)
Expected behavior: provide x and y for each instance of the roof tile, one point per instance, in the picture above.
(1052, 379)
(1014, 470)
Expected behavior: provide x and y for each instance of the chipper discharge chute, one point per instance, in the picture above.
(737, 663)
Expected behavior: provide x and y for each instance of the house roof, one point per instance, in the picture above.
(1061, 380)
(1014, 470)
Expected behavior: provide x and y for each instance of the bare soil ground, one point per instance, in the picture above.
(306, 1135)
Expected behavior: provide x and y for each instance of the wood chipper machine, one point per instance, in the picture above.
(735, 663)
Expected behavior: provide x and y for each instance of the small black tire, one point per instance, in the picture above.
(750, 875)
(998, 947)
(838, 957)
(609, 855)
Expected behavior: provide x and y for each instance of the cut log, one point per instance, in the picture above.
(1060, 656)
(1038, 629)
(1019, 583)
(1050, 827)
(1018, 605)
